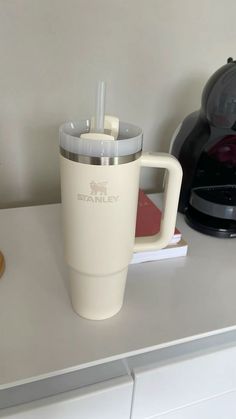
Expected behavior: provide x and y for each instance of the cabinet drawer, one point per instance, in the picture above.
(220, 407)
(111, 398)
(170, 384)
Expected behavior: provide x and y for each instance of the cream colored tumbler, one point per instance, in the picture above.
(99, 185)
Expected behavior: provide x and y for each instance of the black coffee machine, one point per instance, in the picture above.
(205, 145)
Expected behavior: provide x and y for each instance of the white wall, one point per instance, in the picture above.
(154, 54)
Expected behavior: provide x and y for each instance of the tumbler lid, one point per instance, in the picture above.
(103, 137)
(129, 141)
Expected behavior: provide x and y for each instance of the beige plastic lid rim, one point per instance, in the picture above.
(129, 143)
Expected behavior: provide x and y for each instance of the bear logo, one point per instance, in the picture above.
(98, 187)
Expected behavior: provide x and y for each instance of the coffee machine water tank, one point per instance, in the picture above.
(205, 145)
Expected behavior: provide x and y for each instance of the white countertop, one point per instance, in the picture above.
(166, 302)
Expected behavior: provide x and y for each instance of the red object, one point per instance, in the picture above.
(225, 150)
(148, 217)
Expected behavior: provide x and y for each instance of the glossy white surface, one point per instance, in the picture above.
(166, 301)
(222, 406)
(171, 384)
(99, 401)
(49, 387)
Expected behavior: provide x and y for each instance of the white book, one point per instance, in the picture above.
(169, 252)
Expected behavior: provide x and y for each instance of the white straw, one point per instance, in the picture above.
(100, 107)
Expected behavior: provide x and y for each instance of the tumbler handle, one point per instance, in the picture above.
(170, 203)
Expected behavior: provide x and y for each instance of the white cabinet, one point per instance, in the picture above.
(184, 380)
(190, 381)
(106, 400)
(219, 407)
